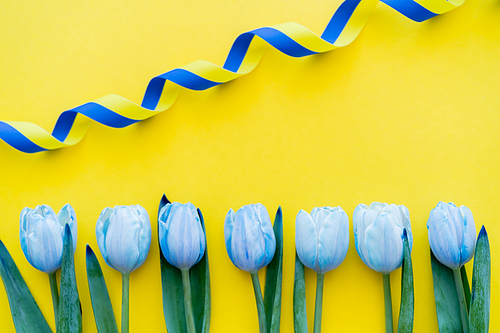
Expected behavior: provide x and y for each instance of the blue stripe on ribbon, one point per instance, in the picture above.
(93, 111)
(189, 80)
(17, 140)
(410, 9)
(339, 20)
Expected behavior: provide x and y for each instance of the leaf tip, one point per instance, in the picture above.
(67, 229)
(482, 233)
(279, 213)
(164, 200)
(405, 234)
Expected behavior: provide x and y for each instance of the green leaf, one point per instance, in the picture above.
(69, 319)
(445, 294)
(200, 289)
(25, 312)
(406, 310)
(465, 285)
(173, 294)
(172, 291)
(479, 317)
(299, 298)
(101, 304)
(274, 273)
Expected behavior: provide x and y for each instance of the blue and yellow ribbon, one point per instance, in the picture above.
(291, 39)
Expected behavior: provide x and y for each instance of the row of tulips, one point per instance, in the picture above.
(383, 240)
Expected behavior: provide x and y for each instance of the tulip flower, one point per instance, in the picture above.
(182, 239)
(378, 234)
(250, 244)
(124, 235)
(41, 233)
(452, 237)
(182, 242)
(452, 234)
(322, 240)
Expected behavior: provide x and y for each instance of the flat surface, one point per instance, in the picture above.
(408, 113)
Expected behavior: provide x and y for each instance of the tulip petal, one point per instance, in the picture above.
(357, 215)
(67, 215)
(163, 229)
(45, 245)
(25, 222)
(202, 245)
(101, 229)
(441, 239)
(268, 233)
(333, 241)
(393, 211)
(469, 236)
(122, 239)
(164, 212)
(247, 243)
(405, 216)
(377, 206)
(23, 232)
(455, 220)
(306, 239)
(249, 236)
(144, 241)
(319, 214)
(45, 211)
(228, 232)
(384, 244)
(184, 237)
(364, 218)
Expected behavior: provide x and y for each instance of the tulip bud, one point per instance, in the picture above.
(250, 240)
(378, 234)
(124, 235)
(182, 239)
(41, 232)
(452, 234)
(322, 238)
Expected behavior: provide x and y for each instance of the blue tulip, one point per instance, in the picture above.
(322, 238)
(452, 234)
(182, 239)
(124, 235)
(41, 232)
(378, 234)
(250, 240)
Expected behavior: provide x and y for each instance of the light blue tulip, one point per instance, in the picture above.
(41, 232)
(182, 239)
(249, 235)
(378, 234)
(124, 235)
(452, 234)
(322, 238)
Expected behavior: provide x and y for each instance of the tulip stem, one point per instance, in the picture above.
(461, 300)
(318, 309)
(54, 292)
(125, 302)
(388, 303)
(260, 302)
(188, 307)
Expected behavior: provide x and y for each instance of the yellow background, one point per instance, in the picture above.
(408, 114)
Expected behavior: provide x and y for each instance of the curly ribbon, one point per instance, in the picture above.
(291, 39)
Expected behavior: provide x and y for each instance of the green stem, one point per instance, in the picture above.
(388, 303)
(318, 309)
(188, 307)
(260, 302)
(125, 301)
(461, 300)
(55, 293)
